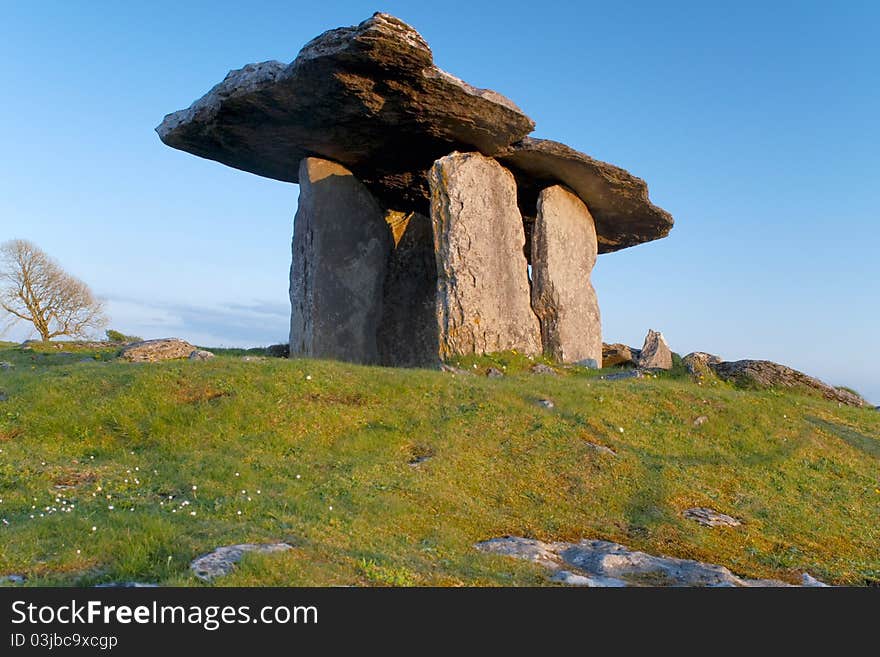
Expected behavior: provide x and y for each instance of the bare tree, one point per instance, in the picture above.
(34, 288)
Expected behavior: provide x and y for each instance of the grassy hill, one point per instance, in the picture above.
(388, 476)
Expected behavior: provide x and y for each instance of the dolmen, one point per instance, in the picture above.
(429, 223)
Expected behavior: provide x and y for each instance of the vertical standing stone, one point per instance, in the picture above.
(408, 332)
(564, 250)
(482, 276)
(340, 252)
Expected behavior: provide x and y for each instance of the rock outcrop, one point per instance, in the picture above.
(618, 200)
(368, 97)
(766, 374)
(655, 354)
(153, 351)
(222, 561)
(698, 363)
(340, 252)
(563, 298)
(607, 564)
(483, 293)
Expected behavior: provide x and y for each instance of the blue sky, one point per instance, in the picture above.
(756, 126)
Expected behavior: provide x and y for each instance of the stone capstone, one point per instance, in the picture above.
(655, 354)
(767, 374)
(152, 351)
(368, 97)
(618, 201)
(563, 297)
(483, 297)
(341, 245)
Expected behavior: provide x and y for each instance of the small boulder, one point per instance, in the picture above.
(153, 351)
(201, 354)
(546, 403)
(6, 365)
(222, 560)
(619, 354)
(710, 517)
(540, 368)
(655, 354)
(630, 374)
(698, 363)
(3, 396)
(589, 363)
(701, 420)
(494, 373)
(451, 369)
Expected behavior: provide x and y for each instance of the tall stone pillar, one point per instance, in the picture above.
(482, 276)
(340, 253)
(564, 250)
(408, 333)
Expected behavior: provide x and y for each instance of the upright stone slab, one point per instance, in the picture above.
(482, 277)
(564, 250)
(340, 253)
(408, 332)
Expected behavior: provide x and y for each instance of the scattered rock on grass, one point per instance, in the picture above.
(222, 561)
(809, 580)
(454, 370)
(710, 517)
(3, 396)
(494, 373)
(546, 403)
(201, 354)
(125, 585)
(12, 579)
(629, 374)
(152, 351)
(603, 564)
(540, 368)
(700, 421)
(6, 365)
(601, 448)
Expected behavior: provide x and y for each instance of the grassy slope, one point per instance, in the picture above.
(802, 472)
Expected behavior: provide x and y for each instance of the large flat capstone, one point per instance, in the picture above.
(340, 253)
(483, 298)
(618, 201)
(563, 297)
(368, 97)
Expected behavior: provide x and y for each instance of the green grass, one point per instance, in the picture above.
(800, 471)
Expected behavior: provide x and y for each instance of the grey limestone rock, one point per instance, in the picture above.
(563, 297)
(655, 354)
(482, 277)
(152, 351)
(340, 253)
